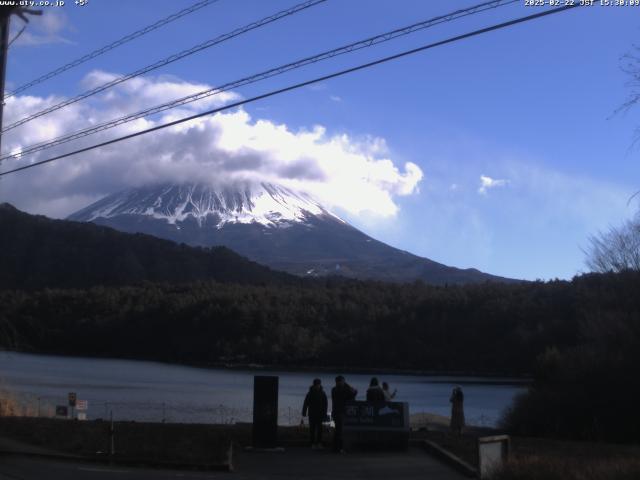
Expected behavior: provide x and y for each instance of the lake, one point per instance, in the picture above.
(151, 391)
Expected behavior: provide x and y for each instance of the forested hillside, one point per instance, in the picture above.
(37, 252)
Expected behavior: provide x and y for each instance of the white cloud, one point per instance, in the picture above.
(487, 183)
(562, 197)
(335, 98)
(354, 174)
(534, 229)
(41, 30)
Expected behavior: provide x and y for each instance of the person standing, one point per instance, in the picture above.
(374, 392)
(340, 395)
(457, 410)
(388, 395)
(316, 405)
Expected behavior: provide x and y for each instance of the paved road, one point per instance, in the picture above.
(25, 468)
(295, 463)
(308, 464)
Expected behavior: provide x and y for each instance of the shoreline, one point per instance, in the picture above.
(492, 378)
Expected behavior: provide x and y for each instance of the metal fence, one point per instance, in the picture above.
(45, 406)
(12, 404)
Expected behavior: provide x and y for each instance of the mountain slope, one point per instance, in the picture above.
(37, 252)
(269, 224)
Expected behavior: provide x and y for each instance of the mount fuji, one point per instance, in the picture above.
(270, 224)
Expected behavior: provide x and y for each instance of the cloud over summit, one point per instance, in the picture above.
(356, 175)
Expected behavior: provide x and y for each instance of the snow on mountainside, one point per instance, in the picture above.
(264, 203)
(270, 224)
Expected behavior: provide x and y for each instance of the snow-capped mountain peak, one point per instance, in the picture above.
(265, 204)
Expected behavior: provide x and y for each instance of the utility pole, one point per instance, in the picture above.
(4, 48)
(5, 16)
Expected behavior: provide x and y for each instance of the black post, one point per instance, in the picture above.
(265, 411)
(112, 444)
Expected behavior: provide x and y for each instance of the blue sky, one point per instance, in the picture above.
(529, 108)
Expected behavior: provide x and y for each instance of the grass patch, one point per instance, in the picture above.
(548, 459)
(166, 442)
(555, 468)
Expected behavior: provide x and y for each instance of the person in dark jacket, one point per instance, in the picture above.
(316, 405)
(374, 392)
(340, 395)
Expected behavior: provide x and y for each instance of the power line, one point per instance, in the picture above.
(132, 36)
(368, 42)
(300, 85)
(170, 59)
(16, 36)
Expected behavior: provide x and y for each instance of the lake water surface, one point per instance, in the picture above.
(140, 390)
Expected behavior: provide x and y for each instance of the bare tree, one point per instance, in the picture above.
(617, 249)
(631, 66)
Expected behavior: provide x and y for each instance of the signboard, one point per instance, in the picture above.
(492, 453)
(265, 412)
(82, 405)
(72, 399)
(387, 415)
(62, 411)
(376, 425)
(82, 416)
